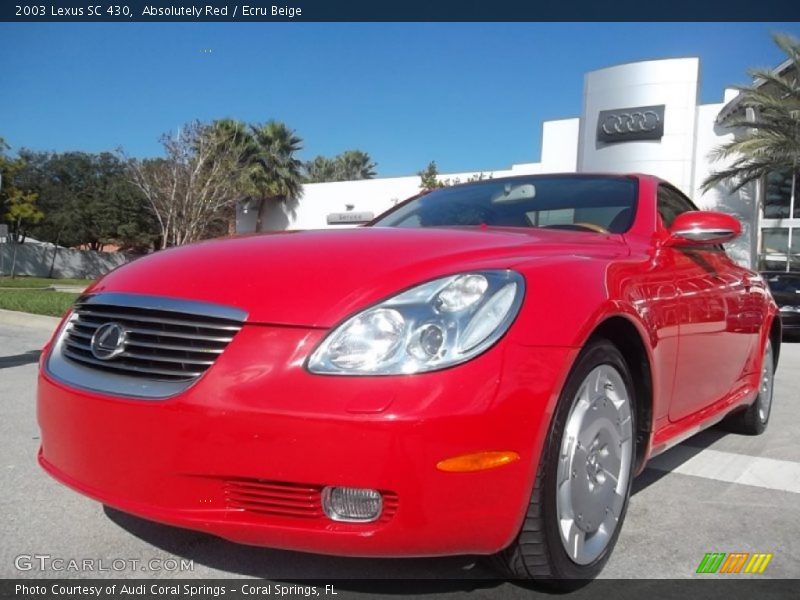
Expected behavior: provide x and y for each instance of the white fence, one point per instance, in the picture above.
(36, 260)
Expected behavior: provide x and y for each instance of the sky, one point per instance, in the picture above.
(469, 96)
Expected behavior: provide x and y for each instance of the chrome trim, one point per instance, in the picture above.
(704, 235)
(188, 336)
(176, 322)
(123, 354)
(109, 377)
(187, 307)
(128, 368)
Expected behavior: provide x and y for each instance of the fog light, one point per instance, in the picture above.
(351, 504)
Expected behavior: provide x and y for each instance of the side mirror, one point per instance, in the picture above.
(703, 227)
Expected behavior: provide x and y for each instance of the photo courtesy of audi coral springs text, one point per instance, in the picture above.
(481, 370)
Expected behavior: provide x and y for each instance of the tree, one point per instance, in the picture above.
(429, 177)
(7, 170)
(18, 204)
(350, 165)
(770, 142)
(273, 171)
(320, 170)
(87, 200)
(4, 173)
(200, 177)
(21, 213)
(354, 165)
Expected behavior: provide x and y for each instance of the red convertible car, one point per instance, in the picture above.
(481, 370)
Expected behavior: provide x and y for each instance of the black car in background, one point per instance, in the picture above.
(785, 289)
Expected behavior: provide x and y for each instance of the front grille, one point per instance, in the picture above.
(293, 500)
(275, 498)
(165, 339)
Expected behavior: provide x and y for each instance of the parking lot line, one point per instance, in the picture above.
(770, 473)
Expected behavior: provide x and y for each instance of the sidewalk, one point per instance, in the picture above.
(13, 317)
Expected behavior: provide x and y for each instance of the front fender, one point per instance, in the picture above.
(567, 300)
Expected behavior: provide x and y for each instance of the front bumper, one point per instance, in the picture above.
(244, 452)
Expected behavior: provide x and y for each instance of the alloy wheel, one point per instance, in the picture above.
(594, 464)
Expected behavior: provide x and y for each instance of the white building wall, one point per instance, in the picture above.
(671, 82)
(560, 146)
(743, 203)
(321, 199)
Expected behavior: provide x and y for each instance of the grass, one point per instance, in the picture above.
(39, 282)
(40, 302)
(33, 295)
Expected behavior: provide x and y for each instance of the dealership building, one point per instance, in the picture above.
(637, 117)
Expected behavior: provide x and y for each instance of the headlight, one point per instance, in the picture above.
(431, 326)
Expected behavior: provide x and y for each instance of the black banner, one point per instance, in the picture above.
(405, 10)
(732, 588)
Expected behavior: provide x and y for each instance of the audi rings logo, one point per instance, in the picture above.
(108, 341)
(630, 124)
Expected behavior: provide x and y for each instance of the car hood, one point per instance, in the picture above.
(317, 278)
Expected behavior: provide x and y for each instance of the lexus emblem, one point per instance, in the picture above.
(108, 341)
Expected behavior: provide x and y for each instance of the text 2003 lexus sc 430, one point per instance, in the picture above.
(482, 370)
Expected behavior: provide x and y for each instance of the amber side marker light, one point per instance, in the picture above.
(480, 461)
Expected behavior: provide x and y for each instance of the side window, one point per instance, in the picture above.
(671, 203)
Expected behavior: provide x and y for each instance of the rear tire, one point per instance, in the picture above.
(583, 481)
(754, 419)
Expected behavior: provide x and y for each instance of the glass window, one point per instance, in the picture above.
(774, 248)
(560, 216)
(796, 193)
(794, 261)
(574, 202)
(671, 203)
(778, 195)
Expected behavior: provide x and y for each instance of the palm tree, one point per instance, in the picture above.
(270, 170)
(347, 166)
(354, 164)
(274, 171)
(770, 142)
(320, 169)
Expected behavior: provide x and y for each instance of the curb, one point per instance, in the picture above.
(21, 319)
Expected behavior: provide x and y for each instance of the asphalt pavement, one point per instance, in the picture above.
(716, 492)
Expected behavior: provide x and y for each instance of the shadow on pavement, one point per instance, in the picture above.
(696, 444)
(411, 575)
(17, 360)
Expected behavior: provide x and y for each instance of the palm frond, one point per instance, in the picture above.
(771, 142)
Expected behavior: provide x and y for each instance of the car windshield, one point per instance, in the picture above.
(581, 203)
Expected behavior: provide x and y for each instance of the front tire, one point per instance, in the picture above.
(583, 481)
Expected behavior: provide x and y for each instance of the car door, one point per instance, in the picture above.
(712, 296)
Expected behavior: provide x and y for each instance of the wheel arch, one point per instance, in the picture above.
(623, 333)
